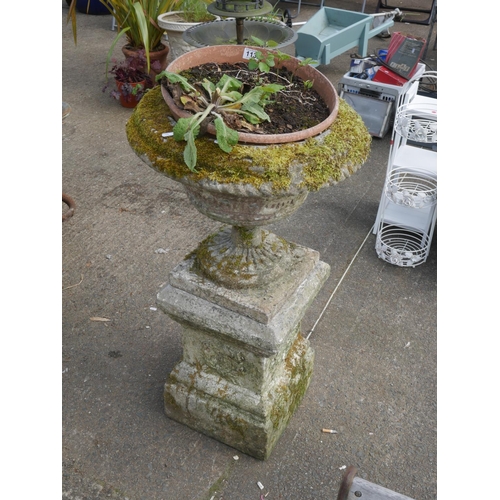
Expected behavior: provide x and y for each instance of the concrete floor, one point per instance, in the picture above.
(375, 368)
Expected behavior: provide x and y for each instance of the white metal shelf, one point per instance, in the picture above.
(407, 211)
(405, 216)
(413, 189)
(414, 159)
(404, 247)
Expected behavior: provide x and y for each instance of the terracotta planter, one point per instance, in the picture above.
(160, 55)
(129, 101)
(175, 25)
(234, 54)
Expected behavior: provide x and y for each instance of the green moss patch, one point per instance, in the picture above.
(325, 159)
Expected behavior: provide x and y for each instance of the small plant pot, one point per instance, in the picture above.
(129, 100)
(159, 55)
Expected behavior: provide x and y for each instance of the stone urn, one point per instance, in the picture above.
(241, 295)
(175, 25)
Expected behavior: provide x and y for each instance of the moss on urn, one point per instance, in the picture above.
(323, 160)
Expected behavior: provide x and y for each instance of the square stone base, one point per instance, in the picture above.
(245, 365)
(249, 421)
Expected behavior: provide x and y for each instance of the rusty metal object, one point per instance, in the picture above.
(71, 204)
(346, 484)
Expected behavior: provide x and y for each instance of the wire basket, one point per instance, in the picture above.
(411, 188)
(417, 122)
(402, 246)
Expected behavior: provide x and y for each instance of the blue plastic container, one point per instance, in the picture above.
(95, 7)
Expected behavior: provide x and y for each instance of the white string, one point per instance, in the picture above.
(338, 284)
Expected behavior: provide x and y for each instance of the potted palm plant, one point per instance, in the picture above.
(136, 20)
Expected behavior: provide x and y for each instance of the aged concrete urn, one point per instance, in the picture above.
(241, 295)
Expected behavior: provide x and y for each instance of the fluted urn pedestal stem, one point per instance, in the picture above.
(239, 257)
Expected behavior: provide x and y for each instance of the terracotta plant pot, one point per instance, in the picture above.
(235, 53)
(160, 55)
(130, 100)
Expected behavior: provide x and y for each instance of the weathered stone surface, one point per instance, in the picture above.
(206, 314)
(245, 365)
(248, 420)
(258, 303)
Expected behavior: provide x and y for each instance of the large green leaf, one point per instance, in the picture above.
(228, 83)
(176, 78)
(181, 128)
(255, 112)
(143, 28)
(226, 137)
(190, 153)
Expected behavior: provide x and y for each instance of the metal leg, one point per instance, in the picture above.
(382, 4)
(432, 22)
(299, 2)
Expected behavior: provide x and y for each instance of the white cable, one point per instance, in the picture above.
(338, 284)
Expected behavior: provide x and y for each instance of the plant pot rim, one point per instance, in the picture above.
(177, 23)
(233, 54)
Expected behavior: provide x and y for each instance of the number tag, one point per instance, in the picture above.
(248, 53)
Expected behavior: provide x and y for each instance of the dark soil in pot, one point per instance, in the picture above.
(295, 108)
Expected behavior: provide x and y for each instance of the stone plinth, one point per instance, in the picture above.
(245, 365)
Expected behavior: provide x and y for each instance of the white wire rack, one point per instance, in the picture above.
(402, 246)
(417, 122)
(407, 212)
(411, 188)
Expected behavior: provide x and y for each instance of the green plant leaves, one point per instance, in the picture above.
(254, 113)
(143, 29)
(181, 128)
(228, 83)
(215, 102)
(263, 62)
(176, 78)
(190, 152)
(226, 137)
